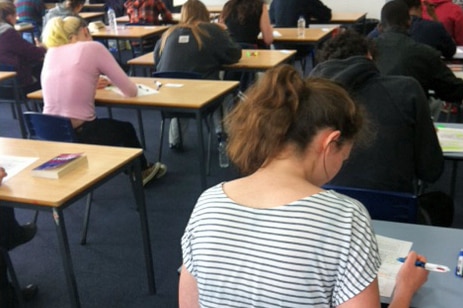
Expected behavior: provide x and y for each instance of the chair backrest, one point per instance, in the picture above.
(178, 74)
(383, 205)
(49, 127)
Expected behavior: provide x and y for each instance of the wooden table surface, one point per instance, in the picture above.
(346, 17)
(6, 75)
(24, 188)
(255, 59)
(129, 32)
(311, 35)
(91, 15)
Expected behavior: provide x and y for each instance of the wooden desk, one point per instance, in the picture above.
(4, 76)
(25, 191)
(438, 245)
(197, 97)
(92, 16)
(347, 17)
(311, 36)
(131, 33)
(251, 60)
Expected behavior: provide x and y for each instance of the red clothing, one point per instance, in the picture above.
(451, 16)
(147, 12)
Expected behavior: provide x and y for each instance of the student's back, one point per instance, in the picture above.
(405, 145)
(285, 13)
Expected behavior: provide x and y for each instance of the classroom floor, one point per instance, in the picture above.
(110, 268)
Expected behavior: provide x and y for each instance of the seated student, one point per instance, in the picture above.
(398, 54)
(75, 63)
(405, 147)
(195, 45)
(251, 240)
(31, 11)
(147, 12)
(23, 56)
(450, 15)
(245, 19)
(66, 8)
(285, 13)
(424, 31)
(11, 236)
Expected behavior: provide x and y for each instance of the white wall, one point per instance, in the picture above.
(372, 7)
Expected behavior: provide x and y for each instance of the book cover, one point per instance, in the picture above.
(60, 165)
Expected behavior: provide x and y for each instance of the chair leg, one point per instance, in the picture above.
(13, 112)
(83, 238)
(179, 127)
(209, 146)
(13, 277)
(161, 139)
(36, 216)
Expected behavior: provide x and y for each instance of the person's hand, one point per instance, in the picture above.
(2, 174)
(410, 277)
(103, 82)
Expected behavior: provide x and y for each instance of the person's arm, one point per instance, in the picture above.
(369, 297)
(316, 9)
(2, 174)
(409, 279)
(446, 44)
(187, 290)
(109, 67)
(165, 13)
(444, 82)
(265, 26)
(25, 50)
(227, 51)
(458, 27)
(429, 160)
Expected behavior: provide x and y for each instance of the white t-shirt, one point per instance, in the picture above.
(319, 251)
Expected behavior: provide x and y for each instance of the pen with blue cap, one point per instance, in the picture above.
(429, 266)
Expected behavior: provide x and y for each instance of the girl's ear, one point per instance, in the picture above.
(329, 138)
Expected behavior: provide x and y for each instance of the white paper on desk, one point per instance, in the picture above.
(275, 34)
(173, 85)
(15, 164)
(450, 139)
(389, 250)
(142, 90)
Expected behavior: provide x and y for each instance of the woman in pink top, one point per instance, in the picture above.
(71, 74)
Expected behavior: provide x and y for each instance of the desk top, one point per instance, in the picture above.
(24, 28)
(261, 59)
(190, 94)
(24, 188)
(312, 35)
(439, 245)
(345, 17)
(91, 15)
(129, 32)
(6, 75)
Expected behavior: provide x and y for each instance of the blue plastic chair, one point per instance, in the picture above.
(383, 205)
(55, 128)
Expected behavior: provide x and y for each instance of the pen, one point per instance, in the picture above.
(429, 266)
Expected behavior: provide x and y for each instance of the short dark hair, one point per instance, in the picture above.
(394, 14)
(412, 3)
(346, 44)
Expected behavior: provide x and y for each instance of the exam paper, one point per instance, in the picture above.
(142, 90)
(450, 139)
(389, 250)
(14, 164)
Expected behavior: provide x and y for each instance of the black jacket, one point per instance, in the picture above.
(405, 145)
(399, 54)
(285, 13)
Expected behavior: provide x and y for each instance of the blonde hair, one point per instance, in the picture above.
(59, 31)
(6, 9)
(193, 13)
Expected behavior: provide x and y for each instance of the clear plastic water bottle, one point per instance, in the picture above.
(223, 157)
(112, 20)
(301, 27)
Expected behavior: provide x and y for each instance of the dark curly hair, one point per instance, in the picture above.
(346, 44)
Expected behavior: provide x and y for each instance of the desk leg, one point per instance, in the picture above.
(453, 178)
(66, 256)
(141, 129)
(19, 111)
(137, 187)
(202, 167)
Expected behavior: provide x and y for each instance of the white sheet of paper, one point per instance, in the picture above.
(389, 250)
(14, 164)
(173, 85)
(450, 139)
(142, 90)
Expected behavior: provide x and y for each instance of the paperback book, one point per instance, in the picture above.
(60, 165)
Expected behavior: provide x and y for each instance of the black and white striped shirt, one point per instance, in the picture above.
(319, 251)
